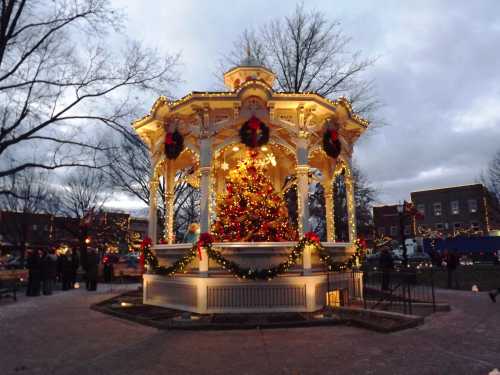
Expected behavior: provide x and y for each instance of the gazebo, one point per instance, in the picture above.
(209, 124)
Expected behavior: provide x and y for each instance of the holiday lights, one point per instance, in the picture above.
(251, 210)
(310, 239)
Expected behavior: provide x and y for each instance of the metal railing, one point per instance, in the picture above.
(400, 291)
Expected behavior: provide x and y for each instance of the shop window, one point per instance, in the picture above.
(437, 209)
(472, 205)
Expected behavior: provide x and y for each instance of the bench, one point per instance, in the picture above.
(8, 288)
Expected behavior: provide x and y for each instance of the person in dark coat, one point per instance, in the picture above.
(49, 272)
(92, 267)
(108, 262)
(34, 274)
(386, 263)
(66, 260)
(451, 259)
(75, 264)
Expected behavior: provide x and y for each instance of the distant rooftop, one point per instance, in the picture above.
(449, 188)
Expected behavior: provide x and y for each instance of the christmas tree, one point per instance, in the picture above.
(251, 210)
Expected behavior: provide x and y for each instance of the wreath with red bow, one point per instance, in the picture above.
(254, 133)
(331, 143)
(174, 144)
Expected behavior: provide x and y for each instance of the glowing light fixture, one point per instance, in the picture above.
(236, 148)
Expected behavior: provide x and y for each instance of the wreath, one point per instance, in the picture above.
(174, 144)
(331, 143)
(254, 133)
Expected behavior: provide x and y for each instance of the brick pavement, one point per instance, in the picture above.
(61, 335)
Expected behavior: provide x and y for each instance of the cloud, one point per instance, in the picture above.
(437, 74)
(482, 115)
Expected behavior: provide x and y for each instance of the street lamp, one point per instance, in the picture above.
(402, 213)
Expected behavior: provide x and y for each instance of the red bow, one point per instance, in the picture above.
(205, 240)
(254, 123)
(311, 236)
(141, 262)
(146, 242)
(169, 139)
(362, 243)
(334, 135)
(199, 249)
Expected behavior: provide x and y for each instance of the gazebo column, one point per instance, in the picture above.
(152, 218)
(302, 171)
(205, 170)
(351, 205)
(169, 175)
(330, 212)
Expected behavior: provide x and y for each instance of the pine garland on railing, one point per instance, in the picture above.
(309, 239)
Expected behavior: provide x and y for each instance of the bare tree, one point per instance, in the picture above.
(492, 177)
(81, 199)
(129, 167)
(364, 197)
(308, 52)
(84, 191)
(59, 75)
(129, 170)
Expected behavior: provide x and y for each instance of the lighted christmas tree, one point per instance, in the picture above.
(251, 210)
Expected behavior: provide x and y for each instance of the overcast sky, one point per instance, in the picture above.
(437, 73)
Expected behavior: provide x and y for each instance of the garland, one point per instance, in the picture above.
(331, 143)
(309, 239)
(254, 133)
(178, 266)
(174, 144)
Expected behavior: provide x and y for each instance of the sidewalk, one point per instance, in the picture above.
(59, 334)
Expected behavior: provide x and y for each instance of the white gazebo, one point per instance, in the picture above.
(210, 123)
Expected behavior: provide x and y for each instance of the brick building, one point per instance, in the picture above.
(457, 208)
(20, 231)
(389, 222)
(105, 230)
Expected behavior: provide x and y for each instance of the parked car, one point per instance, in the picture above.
(14, 263)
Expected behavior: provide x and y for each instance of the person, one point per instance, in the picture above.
(49, 271)
(66, 269)
(192, 234)
(75, 263)
(34, 274)
(452, 261)
(386, 263)
(108, 269)
(91, 268)
(493, 294)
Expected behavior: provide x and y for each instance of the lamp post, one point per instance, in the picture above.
(402, 213)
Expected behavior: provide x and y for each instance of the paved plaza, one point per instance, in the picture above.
(61, 335)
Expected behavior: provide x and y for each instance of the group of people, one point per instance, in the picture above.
(45, 268)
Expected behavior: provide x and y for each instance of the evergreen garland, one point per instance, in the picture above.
(310, 239)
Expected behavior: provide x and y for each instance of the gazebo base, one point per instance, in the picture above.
(223, 293)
